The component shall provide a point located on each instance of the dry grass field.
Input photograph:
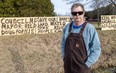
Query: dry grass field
(41, 53)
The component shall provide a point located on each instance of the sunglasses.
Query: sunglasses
(75, 13)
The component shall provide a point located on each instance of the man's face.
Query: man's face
(78, 14)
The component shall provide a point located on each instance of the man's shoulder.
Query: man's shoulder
(90, 26)
(67, 26)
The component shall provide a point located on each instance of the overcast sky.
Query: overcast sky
(61, 7)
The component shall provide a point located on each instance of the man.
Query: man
(80, 43)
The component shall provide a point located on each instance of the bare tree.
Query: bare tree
(113, 6)
(93, 2)
(113, 2)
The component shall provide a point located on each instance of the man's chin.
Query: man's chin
(77, 20)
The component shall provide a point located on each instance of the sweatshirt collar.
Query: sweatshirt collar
(75, 26)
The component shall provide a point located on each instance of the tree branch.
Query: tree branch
(113, 3)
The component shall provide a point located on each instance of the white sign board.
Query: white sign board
(32, 25)
(108, 22)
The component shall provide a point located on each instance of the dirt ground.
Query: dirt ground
(42, 54)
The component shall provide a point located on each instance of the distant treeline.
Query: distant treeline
(108, 10)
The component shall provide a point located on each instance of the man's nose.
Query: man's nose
(77, 14)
